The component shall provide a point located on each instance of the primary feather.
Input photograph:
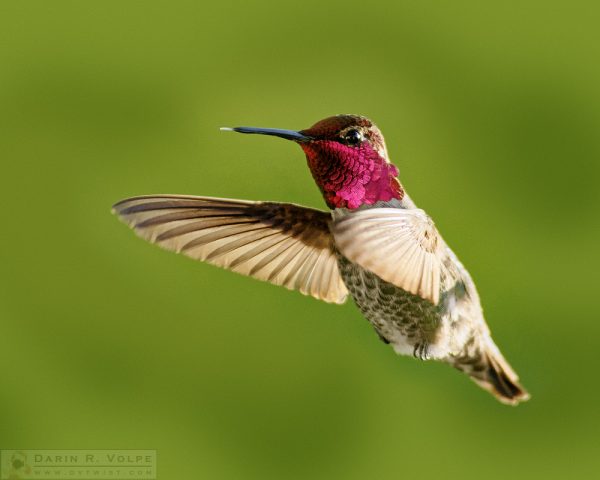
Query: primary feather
(281, 243)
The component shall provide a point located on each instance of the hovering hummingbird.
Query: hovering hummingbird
(374, 245)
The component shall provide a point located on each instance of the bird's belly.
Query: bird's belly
(400, 318)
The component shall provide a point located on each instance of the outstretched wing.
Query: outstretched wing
(402, 247)
(281, 243)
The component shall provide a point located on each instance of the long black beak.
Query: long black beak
(276, 132)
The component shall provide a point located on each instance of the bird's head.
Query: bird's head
(348, 160)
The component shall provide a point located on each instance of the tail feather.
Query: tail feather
(502, 382)
(494, 374)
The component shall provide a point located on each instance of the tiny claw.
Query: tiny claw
(421, 350)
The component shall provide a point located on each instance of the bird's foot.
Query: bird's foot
(381, 337)
(421, 350)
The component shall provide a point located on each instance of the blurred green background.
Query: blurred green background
(490, 109)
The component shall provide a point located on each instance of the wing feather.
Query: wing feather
(401, 246)
(281, 243)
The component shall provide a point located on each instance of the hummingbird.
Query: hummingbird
(373, 245)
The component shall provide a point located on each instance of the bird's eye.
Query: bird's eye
(353, 137)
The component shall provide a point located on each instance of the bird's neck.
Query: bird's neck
(350, 181)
